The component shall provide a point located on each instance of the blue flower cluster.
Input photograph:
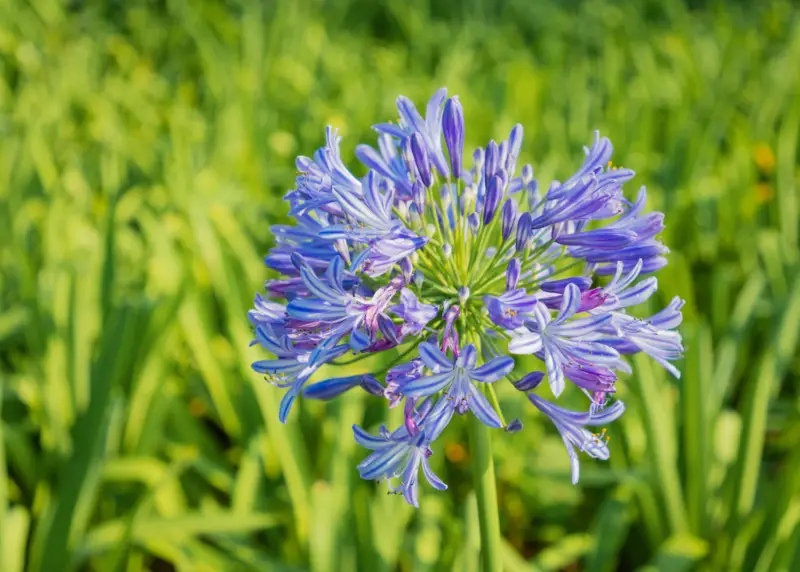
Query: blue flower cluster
(452, 271)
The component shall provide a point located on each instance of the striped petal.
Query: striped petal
(525, 344)
(429, 385)
(482, 409)
(367, 440)
(569, 304)
(330, 388)
(431, 477)
(496, 369)
(434, 358)
(286, 405)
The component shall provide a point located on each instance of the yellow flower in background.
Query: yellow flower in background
(765, 158)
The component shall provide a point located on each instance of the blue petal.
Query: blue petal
(358, 340)
(434, 358)
(525, 344)
(639, 293)
(482, 409)
(569, 304)
(428, 385)
(330, 388)
(408, 112)
(335, 274)
(390, 129)
(468, 357)
(582, 326)
(494, 370)
(383, 463)
(310, 309)
(373, 160)
(318, 288)
(603, 238)
(359, 259)
(592, 352)
(431, 477)
(286, 405)
(607, 415)
(356, 208)
(277, 365)
(368, 440)
(265, 339)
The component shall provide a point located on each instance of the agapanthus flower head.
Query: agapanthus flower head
(452, 269)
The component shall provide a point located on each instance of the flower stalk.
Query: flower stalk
(480, 440)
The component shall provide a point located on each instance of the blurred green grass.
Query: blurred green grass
(144, 147)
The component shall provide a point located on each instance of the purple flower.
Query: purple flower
(572, 426)
(510, 310)
(400, 454)
(453, 127)
(420, 154)
(457, 377)
(335, 386)
(430, 128)
(414, 314)
(512, 273)
(509, 218)
(291, 367)
(494, 193)
(404, 261)
(564, 341)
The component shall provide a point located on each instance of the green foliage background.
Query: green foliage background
(144, 148)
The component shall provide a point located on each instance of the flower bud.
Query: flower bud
(512, 273)
(502, 153)
(530, 381)
(492, 160)
(420, 153)
(492, 200)
(514, 427)
(388, 329)
(371, 385)
(407, 269)
(514, 146)
(509, 217)
(474, 222)
(477, 159)
(402, 209)
(447, 198)
(463, 294)
(408, 156)
(527, 174)
(418, 196)
(524, 230)
(453, 127)
(533, 194)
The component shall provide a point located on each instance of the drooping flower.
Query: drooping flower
(416, 251)
(572, 426)
(401, 453)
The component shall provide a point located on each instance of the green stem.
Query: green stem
(486, 493)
